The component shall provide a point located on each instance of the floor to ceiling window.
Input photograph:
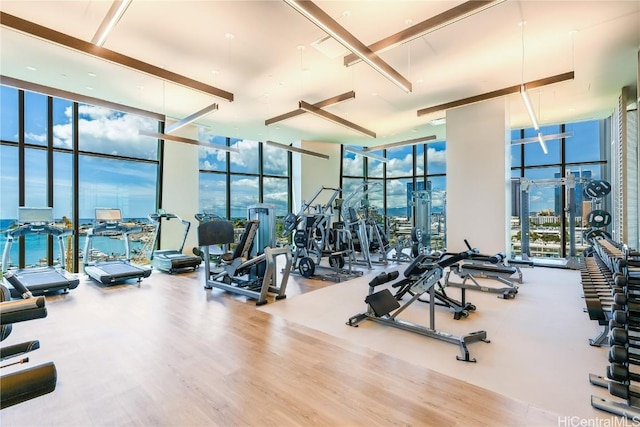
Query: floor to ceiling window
(576, 156)
(74, 158)
(252, 174)
(420, 171)
(410, 174)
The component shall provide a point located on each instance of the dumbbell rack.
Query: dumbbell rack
(622, 377)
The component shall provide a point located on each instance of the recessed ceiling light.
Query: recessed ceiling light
(346, 13)
(229, 36)
(91, 74)
(408, 22)
(89, 88)
(30, 68)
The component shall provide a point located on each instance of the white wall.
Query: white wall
(478, 176)
(310, 173)
(180, 190)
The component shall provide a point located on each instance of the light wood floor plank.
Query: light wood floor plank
(170, 353)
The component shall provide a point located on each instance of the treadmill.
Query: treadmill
(172, 260)
(39, 280)
(109, 223)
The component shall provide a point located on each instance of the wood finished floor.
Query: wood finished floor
(168, 352)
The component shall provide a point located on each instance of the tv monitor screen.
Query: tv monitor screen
(35, 215)
(108, 215)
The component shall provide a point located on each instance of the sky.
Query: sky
(131, 185)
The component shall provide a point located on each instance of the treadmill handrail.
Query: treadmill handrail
(27, 229)
(157, 219)
(110, 228)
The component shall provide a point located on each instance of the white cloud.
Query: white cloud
(100, 127)
(436, 156)
(352, 166)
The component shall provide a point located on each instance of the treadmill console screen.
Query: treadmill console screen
(108, 215)
(35, 215)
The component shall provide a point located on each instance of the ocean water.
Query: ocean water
(36, 245)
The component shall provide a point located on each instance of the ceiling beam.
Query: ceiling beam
(335, 119)
(176, 138)
(76, 97)
(88, 48)
(192, 118)
(405, 143)
(320, 18)
(496, 93)
(292, 149)
(329, 101)
(434, 23)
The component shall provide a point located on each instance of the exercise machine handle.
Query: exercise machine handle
(17, 285)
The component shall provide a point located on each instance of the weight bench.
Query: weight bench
(486, 267)
(412, 274)
(383, 307)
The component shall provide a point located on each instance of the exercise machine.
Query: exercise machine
(567, 184)
(363, 222)
(109, 272)
(315, 240)
(415, 270)
(421, 232)
(493, 267)
(383, 307)
(19, 386)
(240, 272)
(171, 260)
(39, 280)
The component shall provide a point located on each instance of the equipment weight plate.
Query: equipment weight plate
(307, 267)
(300, 239)
(597, 188)
(290, 222)
(595, 233)
(336, 261)
(599, 218)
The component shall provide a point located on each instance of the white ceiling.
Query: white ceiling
(268, 73)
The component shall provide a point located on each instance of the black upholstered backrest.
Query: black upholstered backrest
(5, 295)
(246, 240)
(216, 232)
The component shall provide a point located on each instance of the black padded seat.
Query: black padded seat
(489, 268)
